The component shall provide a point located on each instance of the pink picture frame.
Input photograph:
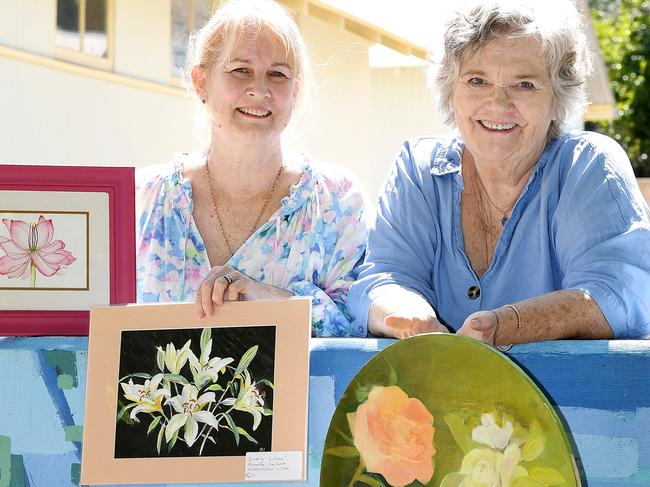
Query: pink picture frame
(45, 190)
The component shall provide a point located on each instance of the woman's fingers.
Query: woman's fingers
(199, 304)
(219, 288)
(404, 327)
(481, 326)
(226, 284)
(237, 289)
(207, 290)
(211, 291)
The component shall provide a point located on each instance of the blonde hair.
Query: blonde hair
(237, 19)
(556, 24)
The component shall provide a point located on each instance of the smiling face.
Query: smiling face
(503, 102)
(251, 94)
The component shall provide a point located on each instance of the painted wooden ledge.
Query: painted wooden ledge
(601, 390)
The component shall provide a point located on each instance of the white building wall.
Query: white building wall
(143, 39)
(361, 115)
(402, 108)
(28, 24)
(341, 133)
(52, 117)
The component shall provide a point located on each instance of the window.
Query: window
(83, 31)
(187, 16)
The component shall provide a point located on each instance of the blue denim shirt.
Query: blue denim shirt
(580, 223)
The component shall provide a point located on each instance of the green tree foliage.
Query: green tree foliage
(623, 31)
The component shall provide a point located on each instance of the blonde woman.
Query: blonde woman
(242, 219)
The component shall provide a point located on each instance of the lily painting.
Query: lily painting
(37, 252)
(195, 392)
(443, 410)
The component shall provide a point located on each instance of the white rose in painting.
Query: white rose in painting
(492, 435)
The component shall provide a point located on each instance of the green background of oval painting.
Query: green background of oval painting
(449, 373)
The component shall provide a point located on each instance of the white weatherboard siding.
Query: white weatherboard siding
(143, 39)
(341, 132)
(363, 114)
(54, 117)
(50, 116)
(28, 25)
(402, 108)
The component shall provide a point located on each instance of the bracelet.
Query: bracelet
(505, 348)
(519, 325)
(501, 348)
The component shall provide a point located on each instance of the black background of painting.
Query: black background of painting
(138, 354)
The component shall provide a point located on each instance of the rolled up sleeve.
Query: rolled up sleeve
(400, 242)
(602, 233)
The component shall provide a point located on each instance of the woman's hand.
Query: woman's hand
(558, 315)
(223, 283)
(400, 313)
(400, 326)
(481, 325)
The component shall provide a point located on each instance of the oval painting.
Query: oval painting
(445, 410)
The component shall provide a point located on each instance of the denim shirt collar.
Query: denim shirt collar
(447, 159)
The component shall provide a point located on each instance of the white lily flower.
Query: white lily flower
(147, 396)
(490, 434)
(189, 409)
(174, 360)
(215, 365)
(207, 369)
(249, 400)
(206, 351)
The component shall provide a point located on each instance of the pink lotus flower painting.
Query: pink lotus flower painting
(30, 247)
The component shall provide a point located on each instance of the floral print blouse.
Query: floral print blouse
(310, 246)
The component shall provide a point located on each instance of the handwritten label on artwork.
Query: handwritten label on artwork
(274, 465)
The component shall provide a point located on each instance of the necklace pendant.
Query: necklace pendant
(504, 220)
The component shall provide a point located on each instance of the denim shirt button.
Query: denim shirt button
(474, 292)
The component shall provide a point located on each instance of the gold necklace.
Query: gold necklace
(259, 217)
(482, 215)
(504, 213)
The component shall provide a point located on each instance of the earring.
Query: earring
(203, 100)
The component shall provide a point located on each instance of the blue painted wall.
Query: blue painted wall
(601, 390)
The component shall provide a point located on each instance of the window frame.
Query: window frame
(174, 79)
(79, 57)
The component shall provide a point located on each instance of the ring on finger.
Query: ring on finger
(229, 279)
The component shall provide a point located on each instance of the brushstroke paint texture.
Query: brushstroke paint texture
(64, 362)
(610, 426)
(351, 355)
(57, 396)
(27, 407)
(76, 397)
(321, 393)
(601, 387)
(19, 477)
(49, 470)
(593, 449)
(5, 461)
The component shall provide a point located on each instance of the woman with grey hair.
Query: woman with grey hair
(515, 230)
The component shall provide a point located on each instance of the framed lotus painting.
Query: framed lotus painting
(67, 242)
(172, 398)
(446, 411)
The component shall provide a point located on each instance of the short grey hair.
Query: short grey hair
(556, 24)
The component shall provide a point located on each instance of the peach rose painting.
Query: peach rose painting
(36, 252)
(394, 436)
(446, 411)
